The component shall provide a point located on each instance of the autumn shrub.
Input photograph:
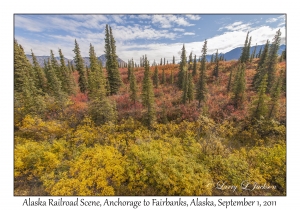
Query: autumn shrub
(163, 168)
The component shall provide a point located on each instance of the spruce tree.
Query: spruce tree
(185, 87)
(133, 86)
(283, 56)
(128, 70)
(182, 69)
(260, 105)
(55, 66)
(216, 68)
(83, 85)
(239, 88)
(27, 97)
(253, 53)
(273, 60)
(164, 61)
(113, 73)
(45, 70)
(96, 77)
(102, 110)
(212, 58)
(260, 70)
(275, 96)
(229, 80)
(69, 66)
(201, 89)
(247, 57)
(54, 84)
(67, 84)
(244, 56)
(148, 96)
(41, 80)
(72, 67)
(155, 77)
(173, 59)
(190, 65)
(191, 88)
(195, 72)
(87, 71)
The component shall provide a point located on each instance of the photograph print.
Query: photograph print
(149, 104)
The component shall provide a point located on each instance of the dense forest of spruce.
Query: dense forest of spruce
(168, 129)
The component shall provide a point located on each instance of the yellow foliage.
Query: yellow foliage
(166, 168)
(129, 159)
(37, 129)
(97, 171)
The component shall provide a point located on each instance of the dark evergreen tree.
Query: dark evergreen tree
(96, 77)
(185, 87)
(54, 84)
(80, 68)
(148, 96)
(244, 56)
(155, 77)
(173, 59)
(45, 69)
(195, 72)
(253, 53)
(182, 68)
(27, 97)
(133, 86)
(72, 67)
(239, 88)
(55, 66)
(67, 84)
(260, 105)
(164, 61)
(247, 57)
(102, 110)
(190, 65)
(273, 60)
(201, 90)
(260, 70)
(129, 70)
(216, 68)
(191, 88)
(275, 96)
(263, 56)
(41, 80)
(283, 56)
(113, 73)
(69, 66)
